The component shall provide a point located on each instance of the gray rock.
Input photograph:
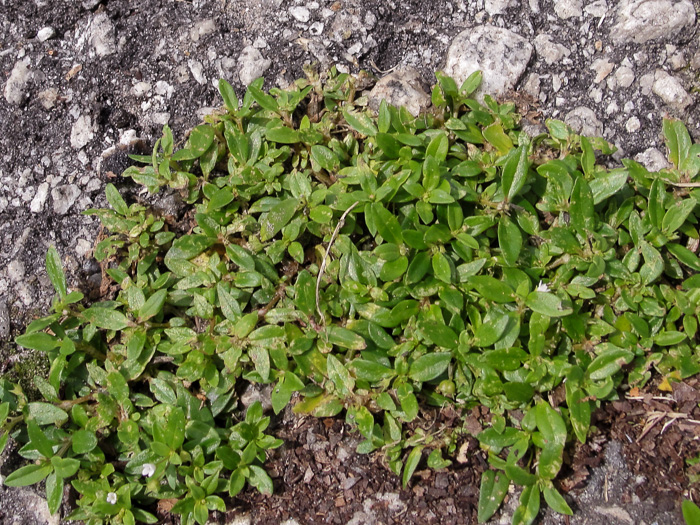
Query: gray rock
(16, 86)
(82, 132)
(550, 51)
(623, 77)
(254, 392)
(497, 7)
(652, 159)
(45, 33)
(202, 28)
(670, 90)
(642, 20)
(101, 35)
(300, 13)
(400, 88)
(597, 9)
(602, 68)
(90, 4)
(4, 321)
(500, 54)
(197, 71)
(251, 65)
(568, 8)
(583, 120)
(64, 197)
(42, 192)
(15, 270)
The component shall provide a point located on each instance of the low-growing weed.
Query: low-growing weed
(361, 265)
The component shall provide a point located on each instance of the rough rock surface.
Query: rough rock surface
(400, 88)
(85, 77)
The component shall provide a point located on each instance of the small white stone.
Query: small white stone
(260, 43)
(652, 159)
(164, 89)
(15, 270)
(670, 90)
(140, 89)
(316, 28)
(196, 69)
(597, 9)
(624, 76)
(632, 125)
(83, 247)
(549, 50)
(300, 13)
(202, 28)
(16, 86)
(64, 197)
(568, 8)
(40, 197)
(602, 67)
(251, 65)
(48, 97)
(583, 120)
(45, 33)
(82, 132)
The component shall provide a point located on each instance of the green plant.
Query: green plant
(366, 265)
(691, 513)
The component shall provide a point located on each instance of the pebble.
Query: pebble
(101, 35)
(550, 51)
(400, 88)
(633, 125)
(64, 197)
(251, 65)
(499, 53)
(15, 270)
(497, 7)
(300, 13)
(597, 9)
(82, 132)
(584, 121)
(202, 28)
(140, 89)
(16, 86)
(652, 159)
(197, 71)
(602, 67)
(670, 90)
(45, 33)
(48, 97)
(642, 20)
(568, 8)
(42, 192)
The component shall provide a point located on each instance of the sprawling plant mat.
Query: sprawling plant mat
(361, 265)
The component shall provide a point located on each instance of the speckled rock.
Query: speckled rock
(583, 120)
(400, 88)
(251, 65)
(499, 53)
(642, 20)
(16, 86)
(670, 90)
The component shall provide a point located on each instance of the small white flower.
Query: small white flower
(112, 498)
(148, 470)
(542, 287)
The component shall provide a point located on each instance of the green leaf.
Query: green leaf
(471, 83)
(201, 137)
(260, 480)
(581, 211)
(153, 305)
(55, 270)
(411, 464)
(655, 207)
(550, 423)
(607, 185)
(340, 376)
(510, 240)
(115, 200)
(65, 467)
(515, 173)
(283, 135)
(441, 267)
(677, 214)
(54, 492)
(387, 224)
(491, 330)
(83, 441)
(28, 475)
(495, 135)
(653, 264)
(175, 429)
(371, 370)
(556, 501)
(46, 413)
(678, 141)
(277, 218)
(106, 318)
(492, 289)
(492, 491)
(691, 513)
(229, 95)
(38, 440)
(579, 409)
(610, 359)
(345, 338)
(263, 99)
(361, 123)
(324, 157)
(529, 506)
(429, 366)
(38, 341)
(548, 303)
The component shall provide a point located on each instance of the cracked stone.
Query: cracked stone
(642, 20)
(499, 53)
(670, 90)
(400, 88)
(16, 86)
(251, 65)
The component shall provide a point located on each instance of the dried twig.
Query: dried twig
(321, 271)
